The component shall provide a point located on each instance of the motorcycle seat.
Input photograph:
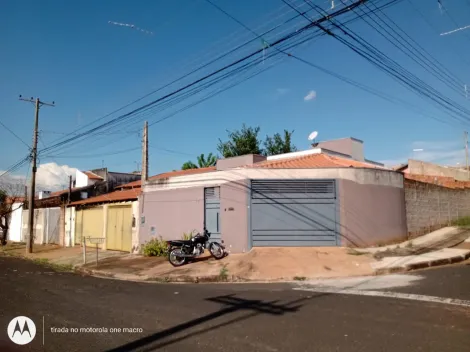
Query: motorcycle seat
(181, 242)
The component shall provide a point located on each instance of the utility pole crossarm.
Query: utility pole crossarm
(34, 153)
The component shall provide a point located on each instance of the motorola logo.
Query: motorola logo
(21, 330)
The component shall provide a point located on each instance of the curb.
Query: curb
(423, 265)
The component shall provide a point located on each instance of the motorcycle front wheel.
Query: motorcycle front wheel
(217, 250)
(175, 258)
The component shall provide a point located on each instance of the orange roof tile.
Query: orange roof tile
(116, 196)
(313, 161)
(443, 181)
(92, 175)
(176, 173)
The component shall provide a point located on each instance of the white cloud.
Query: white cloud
(49, 177)
(310, 96)
(444, 152)
(53, 177)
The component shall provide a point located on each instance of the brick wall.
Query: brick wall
(430, 207)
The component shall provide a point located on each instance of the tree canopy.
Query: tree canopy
(241, 142)
(279, 144)
(202, 161)
(245, 141)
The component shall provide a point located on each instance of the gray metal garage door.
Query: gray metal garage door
(293, 213)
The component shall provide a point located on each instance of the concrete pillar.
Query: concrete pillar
(62, 226)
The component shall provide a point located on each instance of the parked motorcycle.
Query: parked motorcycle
(180, 251)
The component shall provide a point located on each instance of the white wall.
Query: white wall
(15, 232)
(135, 229)
(70, 227)
(81, 180)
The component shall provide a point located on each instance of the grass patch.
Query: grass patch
(57, 267)
(352, 251)
(223, 274)
(300, 278)
(464, 221)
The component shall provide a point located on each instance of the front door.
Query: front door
(212, 212)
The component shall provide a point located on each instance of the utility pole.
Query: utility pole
(145, 155)
(32, 188)
(466, 154)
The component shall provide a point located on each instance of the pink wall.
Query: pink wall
(371, 214)
(172, 213)
(234, 215)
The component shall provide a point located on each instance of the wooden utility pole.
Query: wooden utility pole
(466, 154)
(32, 187)
(145, 154)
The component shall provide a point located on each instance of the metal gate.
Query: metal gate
(88, 223)
(212, 212)
(119, 228)
(294, 213)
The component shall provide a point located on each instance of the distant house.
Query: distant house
(54, 223)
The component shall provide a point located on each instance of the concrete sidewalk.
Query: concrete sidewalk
(260, 264)
(445, 237)
(439, 257)
(54, 254)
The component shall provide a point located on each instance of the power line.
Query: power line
(15, 135)
(388, 65)
(436, 30)
(344, 79)
(220, 70)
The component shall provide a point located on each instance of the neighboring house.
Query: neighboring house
(110, 179)
(319, 197)
(54, 223)
(418, 167)
(115, 216)
(15, 221)
(111, 216)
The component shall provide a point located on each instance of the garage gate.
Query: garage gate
(294, 213)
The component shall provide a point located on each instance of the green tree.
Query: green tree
(189, 165)
(241, 142)
(202, 161)
(279, 144)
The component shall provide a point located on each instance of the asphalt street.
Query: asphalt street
(228, 317)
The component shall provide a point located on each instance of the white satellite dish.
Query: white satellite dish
(313, 135)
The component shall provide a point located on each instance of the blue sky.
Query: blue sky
(69, 53)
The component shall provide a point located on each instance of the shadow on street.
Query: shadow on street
(230, 304)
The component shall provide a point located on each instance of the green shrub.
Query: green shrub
(223, 274)
(156, 247)
(188, 235)
(464, 221)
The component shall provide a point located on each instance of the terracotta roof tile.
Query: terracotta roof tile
(116, 196)
(313, 161)
(443, 181)
(176, 173)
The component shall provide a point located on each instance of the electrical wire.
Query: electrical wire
(280, 40)
(331, 73)
(391, 67)
(15, 135)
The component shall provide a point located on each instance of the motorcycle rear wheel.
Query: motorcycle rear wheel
(174, 259)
